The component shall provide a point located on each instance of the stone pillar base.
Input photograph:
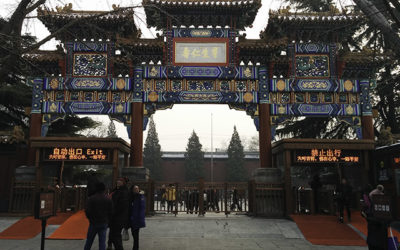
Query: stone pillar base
(136, 174)
(25, 173)
(267, 175)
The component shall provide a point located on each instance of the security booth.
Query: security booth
(300, 160)
(386, 171)
(67, 165)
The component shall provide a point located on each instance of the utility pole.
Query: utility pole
(212, 151)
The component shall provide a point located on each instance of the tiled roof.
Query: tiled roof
(89, 24)
(239, 14)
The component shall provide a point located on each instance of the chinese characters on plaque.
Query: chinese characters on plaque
(186, 52)
(326, 156)
(78, 154)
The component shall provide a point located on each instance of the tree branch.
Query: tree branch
(34, 6)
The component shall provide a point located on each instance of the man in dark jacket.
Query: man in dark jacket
(98, 211)
(344, 192)
(315, 185)
(137, 214)
(120, 217)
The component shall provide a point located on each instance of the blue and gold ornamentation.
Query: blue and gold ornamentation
(59, 96)
(87, 83)
(187, 32)
(241, 86)
(281, 84)
(365, 99)
(311, 85)
(53, 83)
(37, 94)
(176, 85)
(224, 86)
(137, 84)
(300, 98)
(121, 84)
(263, 85)
(312, 66)
(311, 48)
(89, 47)
(349, 85)
(200, 72)
(160, 85)
(208, 72)
(196, 97)
(315, 109)
(89, 64)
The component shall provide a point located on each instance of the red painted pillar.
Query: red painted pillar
(34, 131)
(340, 68)
(136, 159)
(265, 135)
(367, 127)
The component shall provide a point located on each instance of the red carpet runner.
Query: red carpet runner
(361, 224)
(29, 227)
(325, 230)
(74, 228)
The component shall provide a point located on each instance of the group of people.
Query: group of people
(342, 195)
(120, 209)
(189, 199)
(377, 229)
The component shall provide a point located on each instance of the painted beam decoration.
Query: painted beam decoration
(201, 67)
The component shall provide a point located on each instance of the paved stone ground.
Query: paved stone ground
(188, 232)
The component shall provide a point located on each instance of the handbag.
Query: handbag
(393, 243)
(125, 234)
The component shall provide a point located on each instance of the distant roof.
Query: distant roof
(207, 155)
(89, 24)
(239, 14)
(331, 26)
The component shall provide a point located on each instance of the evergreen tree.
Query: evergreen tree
(235, 163)
(71, 125)
(194, 159)
(152, 152)
(111, 132)
(16, 65)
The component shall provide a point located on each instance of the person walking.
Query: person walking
(344, 192)
(235, 200)
(137, 214)
(315, 185)
(171, 197)
(377, 228)
(98, 210)
(194, 201)
(120, 217)
(163, 195)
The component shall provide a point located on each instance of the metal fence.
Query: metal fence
(196, 198)
(201, 197)
(22, 196)
(267, 200)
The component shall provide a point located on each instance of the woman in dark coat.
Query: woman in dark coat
(137, 214)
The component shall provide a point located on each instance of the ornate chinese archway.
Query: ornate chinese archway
(202, 65)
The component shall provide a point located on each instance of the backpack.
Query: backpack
(366, 206)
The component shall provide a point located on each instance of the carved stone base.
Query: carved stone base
(267, 175)
(136, 174)
(25, 173)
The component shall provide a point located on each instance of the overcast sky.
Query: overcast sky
(173, 126)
